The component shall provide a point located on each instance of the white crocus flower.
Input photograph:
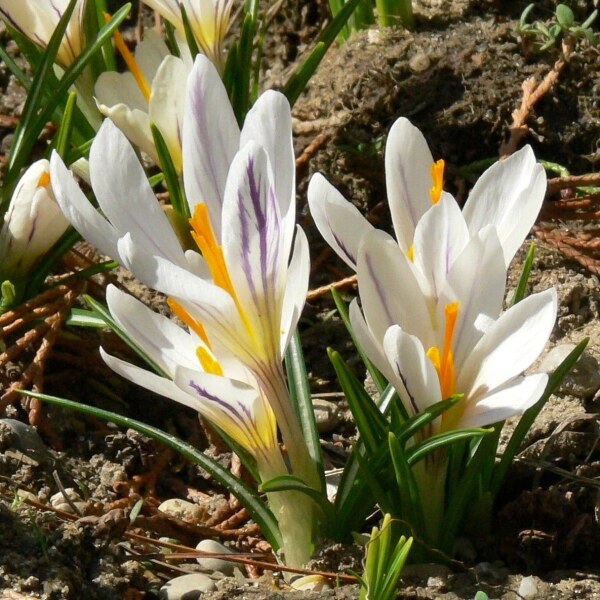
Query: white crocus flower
(508, 196)
(32, 224)
(209, 22)
(227, 394)
(458, 346)
(37, 19)
(152, 91)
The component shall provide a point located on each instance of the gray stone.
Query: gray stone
(208, 563)
(111, 473)
(528, 587)
(583, 380)
(326, 414)
(187, 587)
(27, 440)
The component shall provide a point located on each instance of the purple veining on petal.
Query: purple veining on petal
(405, 384)
(343, 247)
(380, 289)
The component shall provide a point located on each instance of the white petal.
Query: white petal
(421, 384)
(513, 398)
(508, 195)
(210, 139)
(167, 344)
(389, 291)
(167, 105)
(125, 196)
(253, 244)
(269, 124)
(113, 88)
(296, 288)
(77, 208)
(408, 163)
(477, 281)
(339, 221)
(440, 236)
(510, 345)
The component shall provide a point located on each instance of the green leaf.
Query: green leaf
(425, 417)
(302, 401)
(565, 16)
(246, 495)
(524, 425)
(63, 135)
(300, 77)
(521, 288)
(172, 181)
(80, 317)
(371, 424)
(189, 33)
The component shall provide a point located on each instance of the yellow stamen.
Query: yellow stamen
(44, 179)
(444, 361)
(203, 234)
(192, 323)
(209, 363)
(130, 61)
(411, 253)
(437, 175)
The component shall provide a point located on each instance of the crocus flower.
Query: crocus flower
(209, 21)
(37, 19)
(459, 345)
(32, 224)
(508, 195)
(247, 288)
(224, 392)
(152, 91)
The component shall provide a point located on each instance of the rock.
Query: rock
(187, 587)
(310, 583)
(58, 500)
(489, 573)
(528, 587)
(326, 414)
(27, 440)
(208, 563)
(583, 380)
(182, 509)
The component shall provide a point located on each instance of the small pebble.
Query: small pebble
(28, 441)
(215, 564)
(182, 509)
(111, 473)
(58, 500)
(419, 62)
(187, 587)
(310, 583)
(528, 587)
(326, 414)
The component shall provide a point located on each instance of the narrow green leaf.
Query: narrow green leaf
(302, 401)
(240, 98)
(521, 288)
(80, 317)
(371, 424)
(63, 135)
(172, 180)
(190, 38)
(425, 417)
(246, 495)
(300, 77)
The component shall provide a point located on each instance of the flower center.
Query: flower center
(437, 175)
(443, 360)
(44, 179)
(131, 63)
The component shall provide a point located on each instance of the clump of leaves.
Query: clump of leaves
(563, 25)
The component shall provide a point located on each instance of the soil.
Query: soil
(458, 77)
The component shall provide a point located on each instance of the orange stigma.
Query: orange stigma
(44, 179)
(444, 361)
(437, 175)
(130, 61)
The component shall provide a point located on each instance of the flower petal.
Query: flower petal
(210, 140)
(338, 221)
(513, 398)
(116, 170)
(79, 211)
(509, 345)
(420, 382)
(389, 291)
(508, 195)
(408, 163)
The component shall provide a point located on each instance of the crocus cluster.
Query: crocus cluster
(431, 315)
(240, 297)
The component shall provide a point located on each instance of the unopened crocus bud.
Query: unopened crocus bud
(32, 224)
